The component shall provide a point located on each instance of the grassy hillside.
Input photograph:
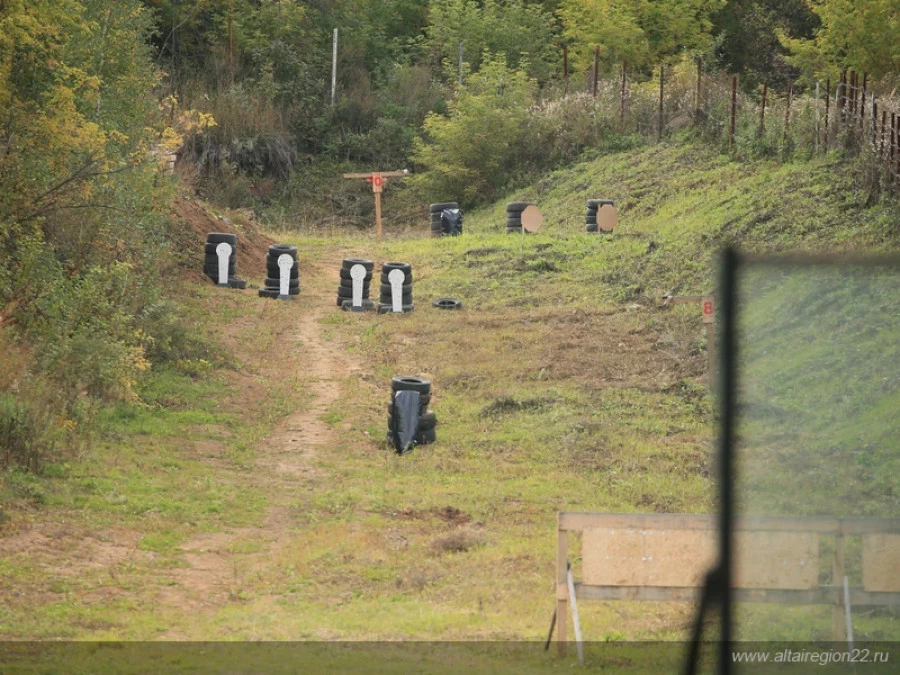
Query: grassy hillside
(562, 384)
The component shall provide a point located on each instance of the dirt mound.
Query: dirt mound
(194, 220)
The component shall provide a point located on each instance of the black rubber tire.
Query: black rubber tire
(348, 264)
(275, 272)
(591, 227)
(348, 283)
(240, 284)
(347, 293)
(214, 259)
(591, 212)
(427, 420)
(276, 283)
(590, 220)
(272, 261)
(268, 293)
(388, 308)
(213, 271)
(407, 279)
(220, 238)
(345, 275)
(596, 203)
(276, 250)
(387, 288)
(518, 207)
(447, 303)
(426, 437)
(513, 230)
(410, 383)
(437, 207)
(210, 249)
(347, 305)
(424, 400)
(406, 304)
(514, 222)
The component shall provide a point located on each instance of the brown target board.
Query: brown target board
(532, 218)
(607, 218)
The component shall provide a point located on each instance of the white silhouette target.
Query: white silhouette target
(285, 263)
(223, 250)
(396, 277)
(357, 274)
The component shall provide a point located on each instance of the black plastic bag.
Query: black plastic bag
(405, 420)
(451, 222)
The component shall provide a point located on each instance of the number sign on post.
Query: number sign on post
(708, 307)
(377, 178)
(357, 274)
(396, 278)
(223, 250)
(285, 263)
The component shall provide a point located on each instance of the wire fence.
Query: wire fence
(852, 116)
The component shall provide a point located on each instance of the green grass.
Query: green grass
(562, 384)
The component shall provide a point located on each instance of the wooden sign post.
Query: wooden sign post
(377, 179)
(708, 305)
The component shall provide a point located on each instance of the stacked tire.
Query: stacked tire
(386, 298)
(345, 290)
(590, 218)
(272, 288)
(514, 216)
(425, 432)
(437, 229)
(211, 258)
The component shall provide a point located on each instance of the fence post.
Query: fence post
(883, 125)
(816, 149)
(659, 124)
(862, 98)
(565, 70)
(622, 99)
(734, 79)
(827, 107)
(762, 111)
(596, 70)
(787, 111)
(842, 93)
(699, 84)
(874, 126)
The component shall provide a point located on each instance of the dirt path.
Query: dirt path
(214, 566)
(287, 459)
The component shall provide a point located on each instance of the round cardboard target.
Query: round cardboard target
(532, 218)
(607, 218)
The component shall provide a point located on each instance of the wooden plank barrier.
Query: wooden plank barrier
(657, 557)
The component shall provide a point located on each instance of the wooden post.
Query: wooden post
(334, 54)
(827, 108)
(842, 93)
(377, 179)
(787, 112)
(699, 84)
(659, 124)
(883, 125)
(622, 99)
(762, 111)
(734, 80)
(874, 126)
(838, 625)
(565, 70)
(596, 70)
(230, 49)
(708, 307)
(562, 588)
(862, 97)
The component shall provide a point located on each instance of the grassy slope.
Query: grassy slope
(562, 385)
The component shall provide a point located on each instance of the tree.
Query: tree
(857, 34)
(522, 33)
(468, 153)
(641, 33)
(748, 42)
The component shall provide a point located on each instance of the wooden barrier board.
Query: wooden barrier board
(681, 558)
(881, 562)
